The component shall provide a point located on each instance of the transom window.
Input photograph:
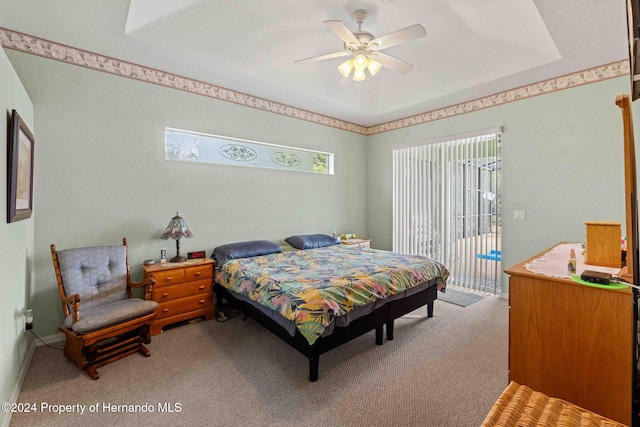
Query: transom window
(199, 147)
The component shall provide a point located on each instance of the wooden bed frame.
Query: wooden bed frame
(374, 320)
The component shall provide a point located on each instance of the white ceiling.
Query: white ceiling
(472, 49)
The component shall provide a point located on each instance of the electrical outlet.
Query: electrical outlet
(519, 215)
(28, 320)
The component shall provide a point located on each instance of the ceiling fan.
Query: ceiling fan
(364, 48)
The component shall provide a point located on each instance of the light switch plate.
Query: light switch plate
(519, 215)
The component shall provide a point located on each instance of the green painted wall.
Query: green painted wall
(102, 175)
(562, 158)
(17, 253)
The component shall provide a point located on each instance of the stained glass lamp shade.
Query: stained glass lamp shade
(176, 229)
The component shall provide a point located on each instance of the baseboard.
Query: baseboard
(23, 373)
(51, 339)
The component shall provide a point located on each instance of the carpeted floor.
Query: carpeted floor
(442, 371)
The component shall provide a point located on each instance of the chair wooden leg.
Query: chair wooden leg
(74, 351)
(144, 351)
(93, 372)
(145, 334)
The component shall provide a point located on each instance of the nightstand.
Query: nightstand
(183, 290)
(363, 243)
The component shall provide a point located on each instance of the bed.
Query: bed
(322, 294)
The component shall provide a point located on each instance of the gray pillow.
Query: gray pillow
(311, 241)
(230, 251)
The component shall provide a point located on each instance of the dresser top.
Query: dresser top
(524, 268)
(171, 265)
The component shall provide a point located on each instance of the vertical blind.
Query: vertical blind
(446, 205)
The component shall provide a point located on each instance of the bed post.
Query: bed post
(314, 364)
(390, 329)
(379, 334)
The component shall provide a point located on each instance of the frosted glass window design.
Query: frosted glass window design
(199, 147)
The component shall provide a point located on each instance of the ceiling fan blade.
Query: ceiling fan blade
(407, 34)
(342, 31)
(323, 57)
(392, 63)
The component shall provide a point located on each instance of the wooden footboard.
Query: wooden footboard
(374, 320)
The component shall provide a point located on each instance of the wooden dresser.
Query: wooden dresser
(183, 291)
(572, 341)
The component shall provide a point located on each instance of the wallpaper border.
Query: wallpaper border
(21, 42)
(579, 78)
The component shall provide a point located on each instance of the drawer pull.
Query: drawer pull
(202, 301)
(198, 273)
(166, 294)
(164, 310)
(202, 287)
(168, 279)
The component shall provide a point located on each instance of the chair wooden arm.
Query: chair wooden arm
(147, 284)
(74, 301)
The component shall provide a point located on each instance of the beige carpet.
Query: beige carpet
(444, 371)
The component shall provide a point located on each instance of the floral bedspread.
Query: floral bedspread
(311, 287)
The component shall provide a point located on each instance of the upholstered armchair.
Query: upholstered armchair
(103, 322)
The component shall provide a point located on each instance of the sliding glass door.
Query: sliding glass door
(446, 205)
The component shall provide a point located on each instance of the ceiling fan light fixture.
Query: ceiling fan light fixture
(360, 62)
(358, 74)
(346, 67)
(373, 66)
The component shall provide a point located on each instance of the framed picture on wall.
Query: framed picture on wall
(19, 170)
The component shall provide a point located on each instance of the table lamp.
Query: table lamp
(176, 229)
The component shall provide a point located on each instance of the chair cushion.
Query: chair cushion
(98, 274)
(110, 314)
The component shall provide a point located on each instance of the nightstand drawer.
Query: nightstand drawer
(184, 305)
(200, 272)
(187, 289)
(169, 277)
(183, 290)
